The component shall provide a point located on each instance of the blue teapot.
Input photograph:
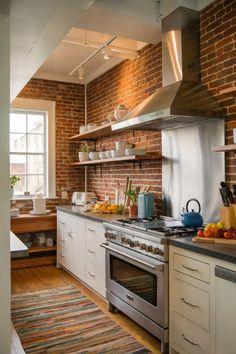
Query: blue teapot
(191, 218)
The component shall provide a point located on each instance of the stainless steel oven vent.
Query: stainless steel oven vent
(182, 100)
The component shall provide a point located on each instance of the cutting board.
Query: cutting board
(222, 241)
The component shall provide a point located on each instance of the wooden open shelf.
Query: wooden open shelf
(225, 148)
(37, 249)
(132, 158)
(33, 223)
(96, 133)
(229, 90)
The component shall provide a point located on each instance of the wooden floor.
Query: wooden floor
(48, 277)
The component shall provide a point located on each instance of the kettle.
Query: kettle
(191, 218)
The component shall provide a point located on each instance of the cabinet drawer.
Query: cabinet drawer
(189, 337)
(192, 267)
(192, 303)
(95, 278)
(62, 256)
(95, 253)
(93, 228)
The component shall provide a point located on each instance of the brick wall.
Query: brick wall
(69, 100)
(130, 83)
(218, 64)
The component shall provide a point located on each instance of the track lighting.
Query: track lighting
(106, 53)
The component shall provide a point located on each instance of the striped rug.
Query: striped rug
(64, 321)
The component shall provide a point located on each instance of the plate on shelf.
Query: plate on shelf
(45, 213)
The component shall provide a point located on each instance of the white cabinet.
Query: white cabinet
(202, 304)
(225, 308)
(95, 257)
(71, 243)
(79, 251)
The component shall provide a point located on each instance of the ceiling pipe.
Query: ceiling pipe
(92, 55)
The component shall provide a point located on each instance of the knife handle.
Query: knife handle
(224, 197)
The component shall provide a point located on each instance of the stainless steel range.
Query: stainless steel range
(137, 270)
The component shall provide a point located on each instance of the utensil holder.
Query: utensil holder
(228, 216)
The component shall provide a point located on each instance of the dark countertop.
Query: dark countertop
(224, 252)
(78, 210)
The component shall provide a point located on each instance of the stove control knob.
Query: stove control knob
(136, 244)
(132, 244)
(123, 240)
(142, 246)
(155, 250)
(150, 249)
(127, 241)
(108, 234)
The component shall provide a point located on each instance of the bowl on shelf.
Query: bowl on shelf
(91, 126)
(135, 151)
(83, 129)
(121, 145)
(117, 153)
(102, 155)
(93, 155)
(108, 154)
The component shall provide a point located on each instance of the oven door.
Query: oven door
(139, 280)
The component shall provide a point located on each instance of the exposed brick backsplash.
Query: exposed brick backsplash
(69, 99)
(130, 83)
(218, 64)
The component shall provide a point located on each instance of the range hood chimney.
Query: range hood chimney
(182, 100)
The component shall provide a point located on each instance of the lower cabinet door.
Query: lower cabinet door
(189, 338)
(95, 278)
(225, 309)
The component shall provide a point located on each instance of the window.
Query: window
(32, 146)
(28, 150)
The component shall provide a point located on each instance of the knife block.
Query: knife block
(228, 216)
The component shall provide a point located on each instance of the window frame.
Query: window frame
(34, 105)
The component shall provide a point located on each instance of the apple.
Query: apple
(228, 234)
(207, 233)
(200, 233)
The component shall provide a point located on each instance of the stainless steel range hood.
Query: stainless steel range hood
(182, 100)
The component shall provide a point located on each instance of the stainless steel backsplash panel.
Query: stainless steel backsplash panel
(191, 170)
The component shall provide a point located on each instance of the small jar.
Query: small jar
(49, 242)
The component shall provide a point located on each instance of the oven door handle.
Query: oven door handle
(159, 267)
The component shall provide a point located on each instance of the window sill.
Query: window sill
(22, 198)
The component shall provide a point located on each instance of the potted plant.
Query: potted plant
(13, 180)
(84, 152)
(132, 195)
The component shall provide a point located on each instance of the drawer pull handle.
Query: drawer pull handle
(62, 222)
(188, 303)
(188, 340)
(129, 297)
(62, 255)
(91, 275)
(92, 230)
(188, 268)
(90, 251)
(70, 234)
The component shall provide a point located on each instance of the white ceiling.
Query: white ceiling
(38, 27)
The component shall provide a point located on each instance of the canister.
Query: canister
(145, 205)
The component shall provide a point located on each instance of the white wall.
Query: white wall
(4, 179)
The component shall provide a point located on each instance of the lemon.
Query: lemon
(220, 225)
